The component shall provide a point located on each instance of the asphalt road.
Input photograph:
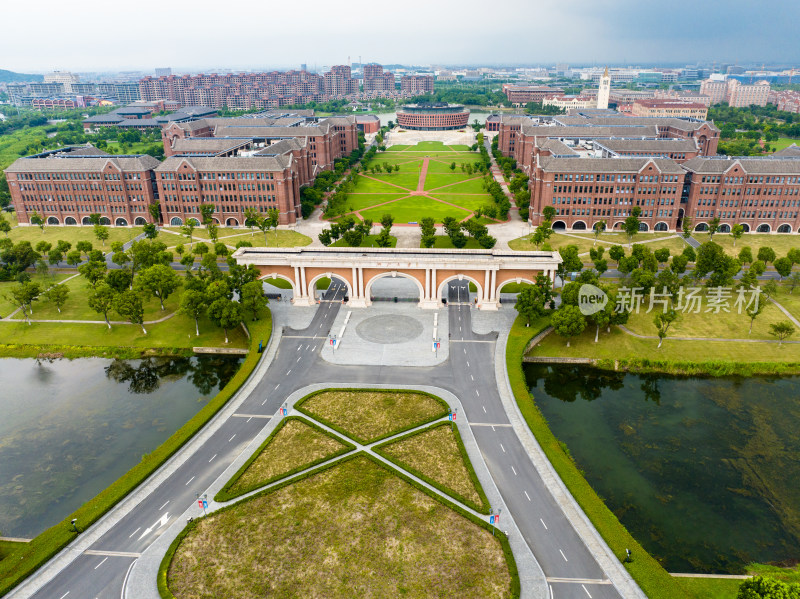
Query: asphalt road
(469, 374)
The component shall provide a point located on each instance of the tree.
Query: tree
(22, 296)
(616, 253)
(758, 267)
(549, 213)
(679, 264)
(631, 224)
(753, 313)
(120, 279)
(188, 229)
(713, 227)
(687, 227)
(542, 233)
(128, 304)
(325, 237)
(601, 266)
(225, 313)
(253, 298)
(94, 218)
(36, 219)
(737, 231)
(783, 266)
(598, 228)
(781, 330)
(387, 220)
(150, 231)
(194, 303)
(663, 321)
(353, 238)
(159, 280)
(384, 240)
(532, 301)
(453, 166)
(94, 271)
(155, 212)
(769, 289)
(74, 258)
(220, 249)
(766, 254)
(712, 261)
(745, 255)
(571, 262)
(101, 298)
(662, 255)
(85, 247)
(568, 322)
(5, 226)
(759, 587)
(57, 295)
(274, 218)
(794, 255)
(794, 281)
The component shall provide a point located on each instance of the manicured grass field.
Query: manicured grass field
(368, 415)
(586, 243)
(274, 239)
(44, 282)
(366, 241)
(406, 180)
(414, 209)
(361, 201)
(373, 185)
(470, 202)
(73, 235)
(293, 446)
(443, 243)
(783, 142)
(355, 530)
(454, 184)
(435, 453)
(780, 242)
(710, 588)
(790, 301)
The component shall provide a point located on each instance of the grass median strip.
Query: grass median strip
(371, 415)
(437, 456)
(294, 445)
(26, 559)
(351, 530)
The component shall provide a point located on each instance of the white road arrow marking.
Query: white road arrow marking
(158, 524)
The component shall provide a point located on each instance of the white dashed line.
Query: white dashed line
(135, 531)
(562, 555)
(212, 458)
(299, 358)
(465, 350)
(249, 419)
(472, 378)
(165, 505)
(276, 386)
(299, 347)
(188, 481)
(526, 495)
(484, 411)
(478, 393)
(587, 592)
(289, 372)
(543, 524)
(101, 563)
(265, 401)
(503, 448)
(514, 471)
(467, 362)
(64, 595)
(231, 439)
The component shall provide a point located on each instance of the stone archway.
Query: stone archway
(368, 294)
(52, 220)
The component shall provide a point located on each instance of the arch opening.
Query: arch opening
(139, 221)
(70, 221)
(460, 289)
(661, 227)
(120, 222)
(763, 228)
(175, 221)
(579, 225)
(784, 228)
(559, 225)
(52, 220)
(394, 287)
(329, 286)
(701, 227)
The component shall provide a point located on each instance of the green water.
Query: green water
(69, 428)
(704, 472)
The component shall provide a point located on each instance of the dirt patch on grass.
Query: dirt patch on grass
(294, 446)
(355, 530)
(435, 454)
(370, 415)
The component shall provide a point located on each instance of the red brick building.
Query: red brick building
(661, 107)
(432, 116)
(65, 186)
(417, 84)
(522, 94)
(378, 80)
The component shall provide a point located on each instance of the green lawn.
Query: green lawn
(443, 243)
(414, 209)
(366, 241)
(468, 201)
(790, 301)
(783, 142)
(359, 201)
(781, 243)
(406, 180)
(73, 235)
(456, 184)
(374, 185)
(46, 281)
(710, 588)
(77, 308)
(354, 530)
(281, 238)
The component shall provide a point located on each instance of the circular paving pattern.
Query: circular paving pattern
(389, 328)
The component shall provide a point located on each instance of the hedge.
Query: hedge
(31, 556)
(225, 493)
(645, 570)
(483, 507)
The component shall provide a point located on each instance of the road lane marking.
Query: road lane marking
(503, 448)
(188, 481)
(249, 419)
(526, 495)
(64, 595)
(587, 592)
(562, 555)
(543, 524)
(472, 378)
(125, 581)
(578, 580)
(465, 350)
(163, 506)
(289, 372)
(551, 591)
(478, 393)
(467, 363)
(101, 563)
(299, 358)
(514, 471)
(276, 386)
(111, 553)
(135, 531)
(212, 458)
(492, 424)
(264, 416)
(231, 439)
(299, 347)
(265, 401)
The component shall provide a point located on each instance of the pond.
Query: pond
(72, 427)
(704, 472)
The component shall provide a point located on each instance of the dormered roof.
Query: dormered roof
(608, 165)
(752, 166)
(141, 162)
(649, 145)
(589, 132)
(248, 164)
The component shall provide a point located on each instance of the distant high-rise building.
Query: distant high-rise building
(604, 90)
(65, 78)
(339, 81)
(164, 72)
(303, 67)
(376, 80)
(417, 84)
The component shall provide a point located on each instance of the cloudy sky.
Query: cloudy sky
(96, 35)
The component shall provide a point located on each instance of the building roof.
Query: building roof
(247, 163)
(668, 103)
(789, 151)
(139, 123)
(649, 145)
(557, 148)
(585, 120)
(283, 146)
(133, 110)
(267, 132)
(213, 145)
(590, 132)
(608, 165)
(111, 117)
(88, 150)
(139, 162)
(754, 166)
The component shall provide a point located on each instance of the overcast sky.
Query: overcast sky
(95, 35)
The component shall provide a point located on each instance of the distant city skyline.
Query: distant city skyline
(185, 35)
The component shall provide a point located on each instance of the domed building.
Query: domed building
(432, 116)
